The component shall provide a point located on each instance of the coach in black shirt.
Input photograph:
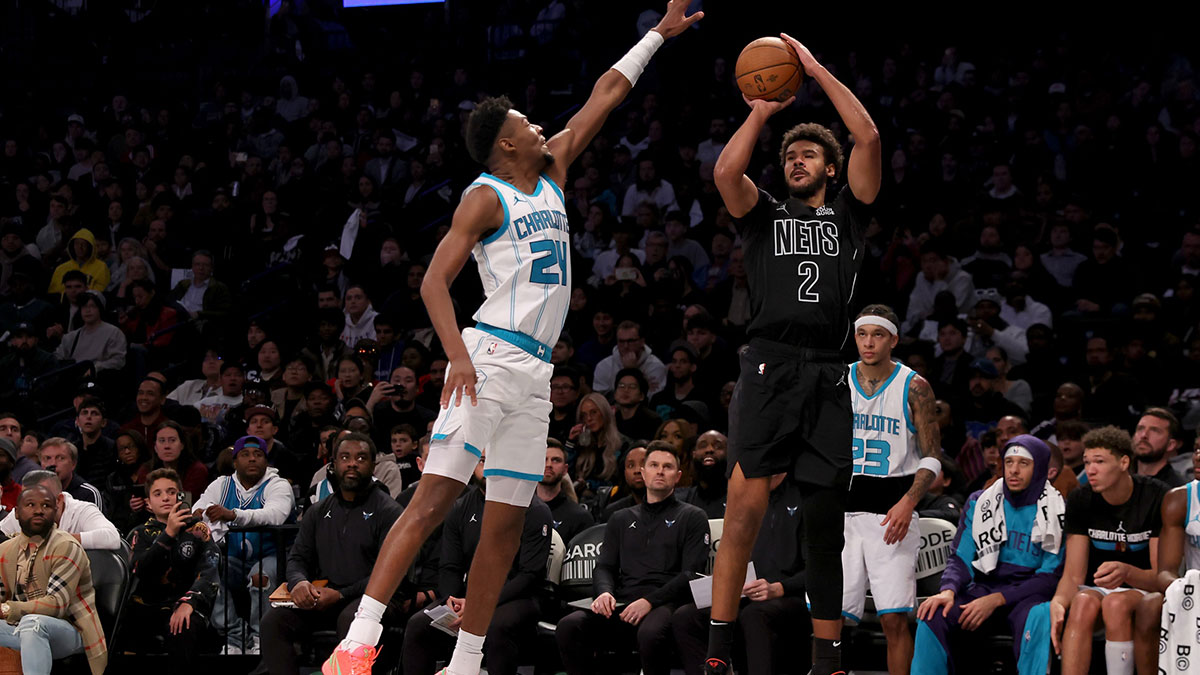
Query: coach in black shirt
(650, 553)
(516, 616)
(774, 604)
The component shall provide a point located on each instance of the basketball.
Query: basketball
(769, 69)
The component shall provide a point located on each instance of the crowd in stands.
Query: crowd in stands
(213, 297)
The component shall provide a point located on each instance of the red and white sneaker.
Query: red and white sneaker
(345, 661)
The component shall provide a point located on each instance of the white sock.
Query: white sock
(468, 654)
(366, 628)
(1118, 657)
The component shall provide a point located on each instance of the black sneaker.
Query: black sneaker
(716, 667)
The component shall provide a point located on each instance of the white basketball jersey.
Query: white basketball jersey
(1191, 544)
(525, 265)
(884, 435)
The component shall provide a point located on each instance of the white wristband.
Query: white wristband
(634, 62)
(930, 464)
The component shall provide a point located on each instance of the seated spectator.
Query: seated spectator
(288, 400)
(261, 422)
(405, 448)
(23, 306)
(9, 488)
(214, 406)
(566, 385)
(15, 258)
(989, 265)
(1022, 311)
(1112, 527)
(351, 383)
(124, 495)
(360, 316)
(49, 605)
(716, 363)
(649, 188)
(1010, 577)
(149, 402)
(330, 562)
(61, 456)
(175, 563)
(1063, 481)
(397, 404)
(555, 488)
(1016, 391)
(634, 418)
(774, 607)
(82, 256)
(1061, 260)
(1156, 439)
(191, 391)
(389, 347)
(983, 403)
(632, 490)
(267, 368)
(26, 461)
(939, 272)
(631, 352)
(939, 500)
(203, 296)
(989, 330)
(254, 495)
(305, 429)
(327, 349)
(681, 383)
(515, 619)
(24, 363)
(1102, 282)
(593, 351)
(79, 519)
(147, 321)
(709, 482)
(950, 370)
(172, 450)
(97, 341)
(97, 453)
(649, 555)
(1067, 406)
(675, 432)
(594, 447)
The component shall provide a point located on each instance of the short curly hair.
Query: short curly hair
(820, 135)
(483, 127)
(1113, 439)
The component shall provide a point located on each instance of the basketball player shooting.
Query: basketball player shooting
(513, 221)
(791, 408)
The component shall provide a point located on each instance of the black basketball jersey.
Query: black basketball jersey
(801, 265)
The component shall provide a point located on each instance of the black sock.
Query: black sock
(827, 656)
(720, 640)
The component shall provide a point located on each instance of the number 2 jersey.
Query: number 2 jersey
(525, 264)
(802, 264)
(885, 447)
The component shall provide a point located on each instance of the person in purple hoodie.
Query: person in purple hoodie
(1007, 559)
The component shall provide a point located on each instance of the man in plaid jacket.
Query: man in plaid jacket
(48, 604)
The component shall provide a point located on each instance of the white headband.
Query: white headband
(1018, 451)
(872, 320)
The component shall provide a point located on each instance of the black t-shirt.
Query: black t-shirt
(802, 264)
(1118, 533)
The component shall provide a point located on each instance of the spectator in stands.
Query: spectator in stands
(593, 351)
(631, 352)
(389, 347)
(774, 607)
(1021, 310)
(989, 330)
(1156, 439)
(1010, 577)
(80, 519)
(676, 432)
(97, 452)
(632, 490)
(649, 555)
(1067, 406)
(594, 446)
(97, 341)
(289, 400)
(82, 257)
(338, 541)
(351, 383)
(24, 307)
(398, 406)
(1111, 395)
(24, 363)
(1016, 391)
(939, 272)
(61, 456)
(191, 392)
(327, 350)
(517, 612)
(1102, 282)
(681, 383)
(565, 390)
(149, 402)
(203, 296)
(172, 450)
(983, 403)
(709, 482)
(304, 430)
(951, 369)
(648, 189)
(124, 496)
(15, 258)
(405, 446)
(262, 422)
(360, 316)
(556, 490)
(255, 495)
(941, 500)
(1112, 527)
(10, 429)
(1061, 260)
(634, 418)
(49, 605)
(9, 488)
(175, 563)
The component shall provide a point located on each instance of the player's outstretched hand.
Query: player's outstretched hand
(674, 22)
(767, 107)
(460, 381)
(807, 60)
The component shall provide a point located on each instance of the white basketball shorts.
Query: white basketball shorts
(890, 572)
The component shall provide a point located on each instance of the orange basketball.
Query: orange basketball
(768, 68)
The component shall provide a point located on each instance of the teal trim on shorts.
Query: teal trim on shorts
(519, 340)
(535, 477)
(881, 612)
(473, 450)
(439, 437)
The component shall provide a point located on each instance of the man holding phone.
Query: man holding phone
(399, 406)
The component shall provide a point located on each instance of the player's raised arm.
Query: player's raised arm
(477, 213)
(611, 89)
(864, 170)
(737, 190)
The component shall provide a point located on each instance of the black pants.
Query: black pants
(762, 625)
(513, 624)
(581, 633)
(284, 627)
(145, 624)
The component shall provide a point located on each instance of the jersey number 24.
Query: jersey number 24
(554, 253)
(871, 457)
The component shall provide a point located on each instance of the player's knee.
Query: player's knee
(895, 625)
(1117, 609)
(1148, 613)
(1084, 607)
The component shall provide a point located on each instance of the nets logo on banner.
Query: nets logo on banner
(382, 3)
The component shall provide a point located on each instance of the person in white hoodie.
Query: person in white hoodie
(631, 352)
(939, 272)
(255, 495)
(360, 316)
(82, 520)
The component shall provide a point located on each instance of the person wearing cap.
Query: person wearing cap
(97, 340)
(1102, 283)
(9, 488)
(24, 363)
(681, 383)
(1022, 311)
(634, 417)
(988, 330)
(15, 258)
(262, 421)
(255, 495)
(1005, 560)
(1110, 578)
(983, 405)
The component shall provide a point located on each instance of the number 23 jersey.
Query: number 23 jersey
(525, 264)
(802, 264)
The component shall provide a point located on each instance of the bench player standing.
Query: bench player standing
(897, 454)
(791, 408)
(516, 230)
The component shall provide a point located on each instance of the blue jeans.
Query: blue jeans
(240, 604)
(40, 639)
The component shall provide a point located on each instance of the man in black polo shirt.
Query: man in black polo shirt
(569, 518)
(650, 552)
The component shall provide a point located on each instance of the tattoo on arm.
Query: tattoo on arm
(929, 437)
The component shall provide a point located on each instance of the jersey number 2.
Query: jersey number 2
(871, 457)
(554, 253)
(809, 272)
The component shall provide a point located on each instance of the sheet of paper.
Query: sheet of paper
(441, 617)
(702, 587)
